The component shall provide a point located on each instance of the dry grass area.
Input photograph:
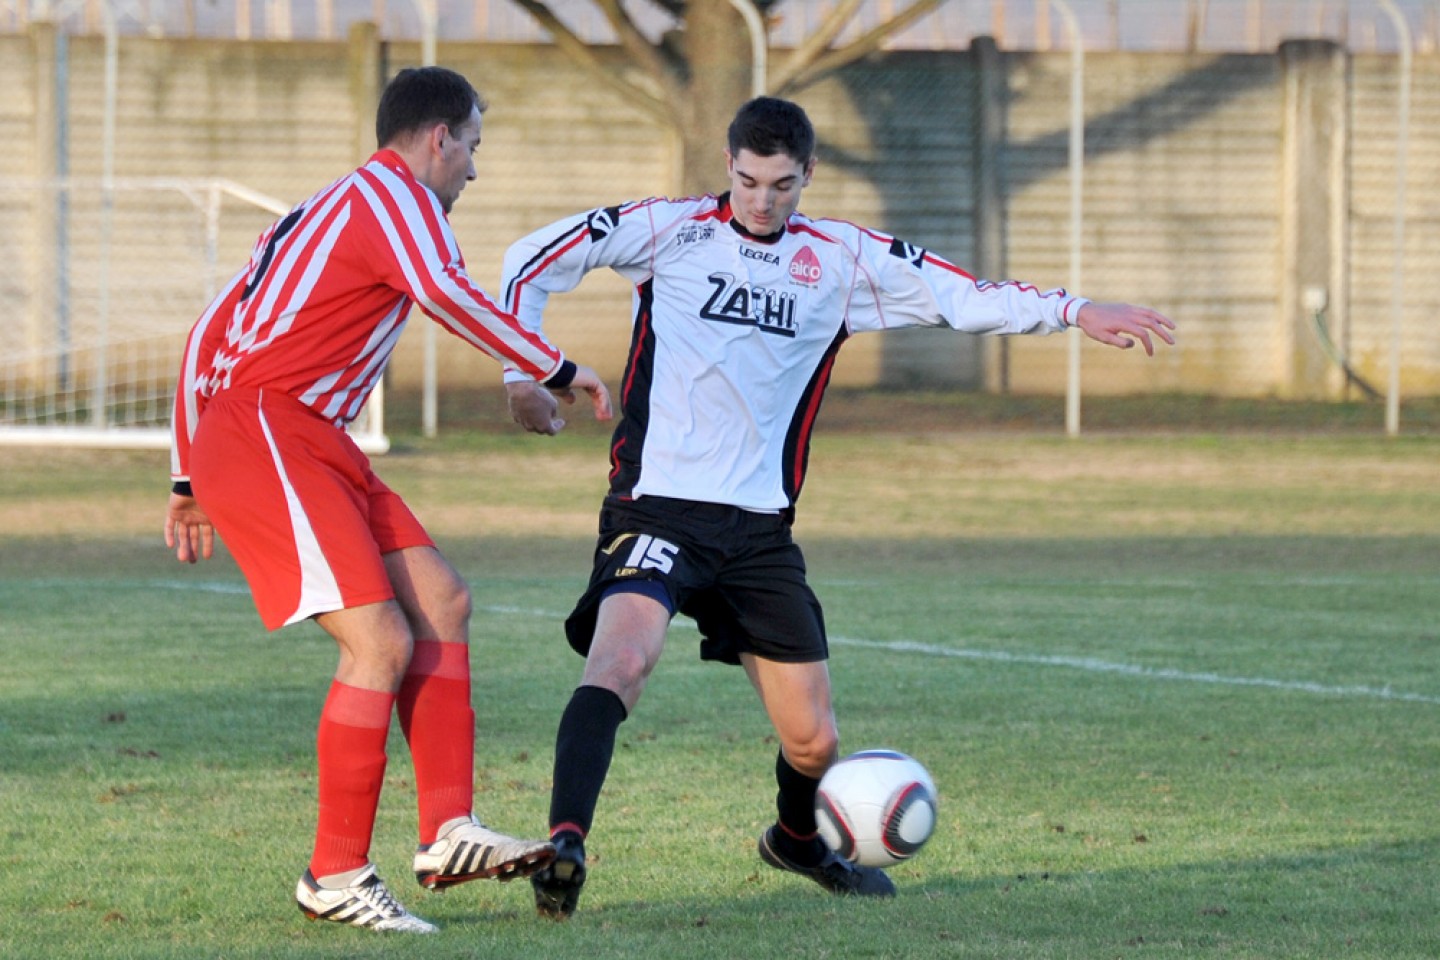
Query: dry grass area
(1003, 485)
(848, 410)
(884, 465)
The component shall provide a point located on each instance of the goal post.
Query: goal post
(100, 283)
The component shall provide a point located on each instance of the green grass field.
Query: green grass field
(1179, 691)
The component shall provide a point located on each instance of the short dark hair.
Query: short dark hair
(767, 126)
(421, 96)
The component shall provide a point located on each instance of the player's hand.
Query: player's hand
(589, 381)
(1121, 324)
(188, 530)
(534, 407)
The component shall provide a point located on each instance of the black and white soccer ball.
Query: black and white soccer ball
(876, 808)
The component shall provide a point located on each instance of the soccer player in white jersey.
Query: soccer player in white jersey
(741, 304)
(274, 369)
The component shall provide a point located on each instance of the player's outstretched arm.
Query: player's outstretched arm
(589, 381)
(1121, 324)
(533, 406)
(188, 530)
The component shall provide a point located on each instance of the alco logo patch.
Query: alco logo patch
(805, 267)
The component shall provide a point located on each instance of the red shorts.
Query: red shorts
(295, 501)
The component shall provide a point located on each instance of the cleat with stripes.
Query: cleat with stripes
(472, 851)
(364, 903)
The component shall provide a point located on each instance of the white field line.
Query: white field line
(1087, 664)
(1092, 665)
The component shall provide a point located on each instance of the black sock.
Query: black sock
(798, 837)
(583, 747)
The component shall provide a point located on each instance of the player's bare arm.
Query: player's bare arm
(188, 530)
(1122, 324)
(589, 381)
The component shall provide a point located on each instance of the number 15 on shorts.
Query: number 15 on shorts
(648, 553)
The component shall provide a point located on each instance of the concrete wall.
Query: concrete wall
(1217, 188)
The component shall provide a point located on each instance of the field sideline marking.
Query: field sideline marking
(1133, 670)
(1088, 664)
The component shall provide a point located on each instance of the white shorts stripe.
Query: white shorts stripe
(319, 590)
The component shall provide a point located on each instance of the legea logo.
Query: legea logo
(805, 267)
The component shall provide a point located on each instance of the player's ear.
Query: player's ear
(809, 171)
(438, 134)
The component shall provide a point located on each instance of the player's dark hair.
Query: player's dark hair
(768, 126)
(419, 97)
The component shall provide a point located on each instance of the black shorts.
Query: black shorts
(738, 573)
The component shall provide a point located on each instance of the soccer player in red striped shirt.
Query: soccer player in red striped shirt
(273, 371)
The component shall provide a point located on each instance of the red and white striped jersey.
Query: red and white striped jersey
(734, 337)
(318, 309)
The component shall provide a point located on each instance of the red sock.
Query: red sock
(439, 724)
(350, 748)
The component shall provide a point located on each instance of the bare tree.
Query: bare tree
(694, 77)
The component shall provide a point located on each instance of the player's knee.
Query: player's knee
(629, 664)
(813, 755)
(378, 663)
(451, 603)
(622, 667)
(461, 602)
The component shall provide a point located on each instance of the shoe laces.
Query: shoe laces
(378, 897)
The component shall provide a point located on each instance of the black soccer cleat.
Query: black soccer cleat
(557, 887)
(834, 873)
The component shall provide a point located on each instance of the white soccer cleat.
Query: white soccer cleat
(469, 850)
(366, 902)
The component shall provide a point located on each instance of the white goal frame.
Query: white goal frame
(105, 278)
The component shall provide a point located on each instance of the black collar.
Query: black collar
(739, 227)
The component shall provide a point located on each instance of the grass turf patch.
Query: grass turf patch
(1178, 693)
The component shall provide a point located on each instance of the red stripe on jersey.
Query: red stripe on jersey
(806, 228)
(615, 458)
(281, 281)
(205, 337)
(321, 304)
(540, 267)
(644, 332)
(807, 423)
(944, 264)
(453, 313)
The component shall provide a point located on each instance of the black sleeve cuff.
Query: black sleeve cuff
(562, 377)
(182, 488)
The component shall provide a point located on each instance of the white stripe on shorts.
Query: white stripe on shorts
(319, 590)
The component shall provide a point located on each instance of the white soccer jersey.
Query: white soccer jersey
(734, 337)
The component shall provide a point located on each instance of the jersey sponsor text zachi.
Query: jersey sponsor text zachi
(725, 342)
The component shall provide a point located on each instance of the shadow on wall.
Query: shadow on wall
(938, 203)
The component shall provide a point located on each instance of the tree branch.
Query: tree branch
(579, 51)
(816, 44)
(797, 75)
(663, 68)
